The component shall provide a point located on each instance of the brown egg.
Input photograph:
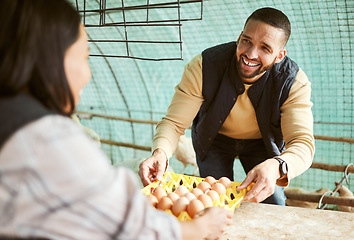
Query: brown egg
(206, 200)
(194, 206)
(219, 188)
(181, 190)
(190, 196)
(225, 181)
(173, 196)
(213, 195)
(211, 180)
(153, 200)
(179, 206)
(164, 203)
(204, 186)
(159, 192)
(197, 192)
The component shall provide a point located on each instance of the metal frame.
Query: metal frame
(104, 13)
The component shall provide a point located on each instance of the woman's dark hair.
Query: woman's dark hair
(34, 38)
(273, 17)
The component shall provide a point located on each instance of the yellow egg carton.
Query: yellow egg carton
(171, 181)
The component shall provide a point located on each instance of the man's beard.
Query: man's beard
(259, 71)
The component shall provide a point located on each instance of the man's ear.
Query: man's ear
(280, 56)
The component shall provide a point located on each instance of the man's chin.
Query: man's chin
(249, 76)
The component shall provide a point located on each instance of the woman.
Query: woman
(54, 181)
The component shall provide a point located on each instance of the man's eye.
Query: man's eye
(266, 49)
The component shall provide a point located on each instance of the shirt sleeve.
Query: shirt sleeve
(70, 190)
(184, 107)
(297, 128)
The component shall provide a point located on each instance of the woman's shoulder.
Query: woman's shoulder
(40, 133)
(51, 127)
(52, 142)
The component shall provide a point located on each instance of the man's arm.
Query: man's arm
(297, 128)
(184, 107)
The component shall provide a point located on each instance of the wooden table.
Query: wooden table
(264, 221)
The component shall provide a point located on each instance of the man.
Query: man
(247, 100)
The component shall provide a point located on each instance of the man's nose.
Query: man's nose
(252, 52)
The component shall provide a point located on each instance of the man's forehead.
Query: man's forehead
(263, 32)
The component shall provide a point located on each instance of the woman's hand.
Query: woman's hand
(208, 224)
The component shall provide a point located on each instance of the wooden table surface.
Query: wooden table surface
(264, 221)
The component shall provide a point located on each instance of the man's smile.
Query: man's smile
(248, 63)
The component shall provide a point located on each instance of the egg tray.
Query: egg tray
(171, 181)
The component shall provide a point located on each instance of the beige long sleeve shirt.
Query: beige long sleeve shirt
(296, 119)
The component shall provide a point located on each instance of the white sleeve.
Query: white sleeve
(70, 190)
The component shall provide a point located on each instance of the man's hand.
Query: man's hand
(264, 175)
(153, 168)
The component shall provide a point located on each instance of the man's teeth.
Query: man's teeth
(248, 63)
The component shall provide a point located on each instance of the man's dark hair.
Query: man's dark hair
(34, 38)
(273, 17)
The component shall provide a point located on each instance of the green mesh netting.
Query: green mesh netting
(121, 33)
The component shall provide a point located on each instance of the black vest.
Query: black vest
(16, 112)
(222, 85)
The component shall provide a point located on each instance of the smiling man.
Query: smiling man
(248, 100)
(260, 45)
